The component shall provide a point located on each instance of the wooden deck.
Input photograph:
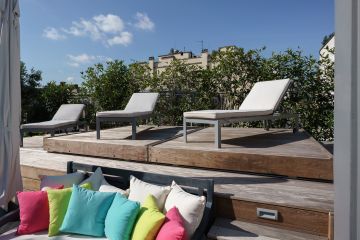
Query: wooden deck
(253, 150)
(303, 205)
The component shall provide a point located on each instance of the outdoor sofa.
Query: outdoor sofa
(66, 117)
(121, 178)
(261, 104)
(140, 106)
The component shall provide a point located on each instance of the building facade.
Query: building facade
(163, 61)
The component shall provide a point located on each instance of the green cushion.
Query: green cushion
(149, 222)
(58, 205)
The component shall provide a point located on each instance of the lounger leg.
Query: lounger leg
(217, 128)
(133, 129)
(97, 128)
(185, 130)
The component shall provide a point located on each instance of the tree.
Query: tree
(108, 87)
(53, 95)
(31, 105)
(327, 38)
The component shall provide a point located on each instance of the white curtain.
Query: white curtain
(10, 100)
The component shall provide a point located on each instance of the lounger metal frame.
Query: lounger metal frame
(132, 120)
(219, 122)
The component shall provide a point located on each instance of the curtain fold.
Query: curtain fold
(10, 101)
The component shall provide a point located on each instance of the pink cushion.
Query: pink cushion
(173, 227)
(34, 212)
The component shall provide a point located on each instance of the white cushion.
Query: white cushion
(139, 190)
(70, 112)
(142, 102)
(191, 207)
(265, 95)
(48, 124)
(107, 187)
(122, 113)
(11, 234)
(224, 114)
(95, 179)
(67, 180)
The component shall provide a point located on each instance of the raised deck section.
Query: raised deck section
(303, 205)
(254, 150)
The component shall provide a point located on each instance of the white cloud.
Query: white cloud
(82, 59)
(53, 34)
(105, 28)
(77, 60)
(109, 23)
(125, 38)
(108, 29)
(69, 79)
(144, 22)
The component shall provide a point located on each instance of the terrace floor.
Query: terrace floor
(303, 205)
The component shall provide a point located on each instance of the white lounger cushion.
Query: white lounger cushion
(48, 124)
(11, 234)
(223, 114)
(265, 95)
(140, 104)
(262, 100)
(71, 112)
(122, 113)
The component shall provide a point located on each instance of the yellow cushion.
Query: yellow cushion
(149, 222)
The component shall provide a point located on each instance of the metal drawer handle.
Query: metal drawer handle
(267, 214)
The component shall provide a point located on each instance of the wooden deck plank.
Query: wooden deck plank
(114, 143)
(226, 229)
(254, 150)
(277, 151)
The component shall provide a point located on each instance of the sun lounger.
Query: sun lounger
(67, 116)
(259, 105)
(140, 106)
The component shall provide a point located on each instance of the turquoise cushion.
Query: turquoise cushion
(121, 217)
(86, 212)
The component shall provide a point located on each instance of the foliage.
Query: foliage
(327, 38)
(184, 88)
(53, 95)
(31, 105)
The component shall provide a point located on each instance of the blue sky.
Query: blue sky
(62, 38)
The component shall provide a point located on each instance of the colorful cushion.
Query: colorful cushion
(95, 179)
(149, 220)
(191, 207)
(58, 205)
(106, 187)
(173, 227)
(34, 212)
(120, 218)
(139, 191)
(87, 212)
(67, 180)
